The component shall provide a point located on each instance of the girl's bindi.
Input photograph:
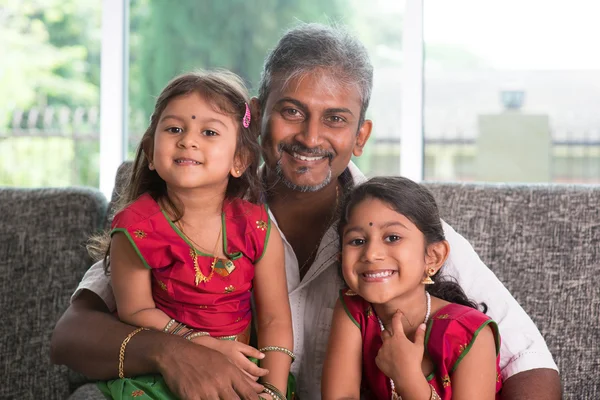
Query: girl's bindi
(193, 117)
(370, 224)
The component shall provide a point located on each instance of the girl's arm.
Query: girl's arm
(132, 286)
(475, 376)
(342, 371)
(273, 311)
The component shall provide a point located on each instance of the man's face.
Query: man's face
(310, 129)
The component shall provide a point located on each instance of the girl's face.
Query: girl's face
(383, 252)
(194, 145)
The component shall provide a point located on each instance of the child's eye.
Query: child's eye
(208, 132)
(357, 242)
(174, 129)
(392, 238)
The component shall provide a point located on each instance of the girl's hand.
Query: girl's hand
(399, 358)
(238, 353)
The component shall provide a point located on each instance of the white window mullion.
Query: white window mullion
(113, 90)
(411, 112)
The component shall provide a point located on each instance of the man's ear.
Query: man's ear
(362, 137)
(436, 255)
(255, 105)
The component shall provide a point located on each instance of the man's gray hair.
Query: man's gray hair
(315, 46)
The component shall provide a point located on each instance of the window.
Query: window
(49, 92)
(511, 90)
(167, 40)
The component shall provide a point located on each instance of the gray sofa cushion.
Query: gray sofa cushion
(42, 258)
(543, 243)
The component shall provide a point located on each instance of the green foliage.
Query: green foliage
(232, 34)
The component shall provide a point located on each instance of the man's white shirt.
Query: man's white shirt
(313, 298)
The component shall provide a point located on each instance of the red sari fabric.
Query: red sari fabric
(449, 336)
(221, 306)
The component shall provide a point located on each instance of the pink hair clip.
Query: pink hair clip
(246, 119)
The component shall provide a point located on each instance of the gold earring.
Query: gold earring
(237, 171)
(427, 280)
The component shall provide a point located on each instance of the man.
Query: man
(314, 93)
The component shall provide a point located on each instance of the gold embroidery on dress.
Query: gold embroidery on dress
(369, 311)
(350, 292)
(137, 393)
(446, 381)
(461, 348)
(443, 316)
(230, 289)
(203, 307)
(140, 234)
(260, 224)
(162, 285)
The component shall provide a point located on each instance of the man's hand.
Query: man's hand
(237, 353)
(195, 372)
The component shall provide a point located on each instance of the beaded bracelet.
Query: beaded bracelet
(270, 389)
(122, 349)
(192, 334)
(168, 326)
(279, 349)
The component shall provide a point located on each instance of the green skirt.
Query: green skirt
(154, 387)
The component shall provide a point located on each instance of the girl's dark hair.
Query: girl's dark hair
(417, 204)
(227, 94)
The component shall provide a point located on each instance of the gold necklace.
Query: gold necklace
(337, 196)
(200, 277)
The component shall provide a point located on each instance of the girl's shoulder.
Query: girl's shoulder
(451, 332)
(247, 226)
(357, 308)
(242, 209)
(143, 208)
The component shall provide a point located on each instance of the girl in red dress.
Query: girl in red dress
(402, 331)
(188, 250)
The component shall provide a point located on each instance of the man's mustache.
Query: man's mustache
(298, 148)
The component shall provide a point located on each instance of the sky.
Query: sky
(519, 34)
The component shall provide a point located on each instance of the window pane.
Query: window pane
(511, 90)
(166, 40)
(49, 92)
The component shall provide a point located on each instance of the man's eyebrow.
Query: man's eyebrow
(295, 102)
(339, 111)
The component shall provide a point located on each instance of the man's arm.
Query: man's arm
(87, 339)
(535, 384)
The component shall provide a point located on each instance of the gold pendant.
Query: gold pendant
(200, 277)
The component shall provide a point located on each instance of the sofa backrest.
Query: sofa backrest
(42, 258)
(543, 243)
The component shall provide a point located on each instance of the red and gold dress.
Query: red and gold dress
(450, 333)
(220, 305)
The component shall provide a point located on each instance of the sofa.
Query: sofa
(542, 241)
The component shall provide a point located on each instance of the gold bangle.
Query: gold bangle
(279, 349)
(122, 349)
